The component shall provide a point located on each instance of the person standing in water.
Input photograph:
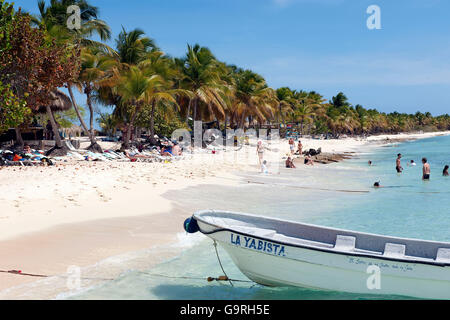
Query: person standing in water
(426, 169)
(398, 163)
(445, 172)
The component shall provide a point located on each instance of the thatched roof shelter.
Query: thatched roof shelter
(61, 102)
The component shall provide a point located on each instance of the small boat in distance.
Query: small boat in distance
(274, 252)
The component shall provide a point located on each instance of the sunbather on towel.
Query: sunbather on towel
(176, 150)
(167, 151)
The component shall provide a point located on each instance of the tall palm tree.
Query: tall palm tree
(253, 98)
(95, 67)
(133, 46)
(144, 86)
(202, 76)
(53, 19)
(286, 103)
(304, 114)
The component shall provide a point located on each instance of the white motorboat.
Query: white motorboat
(275, 252)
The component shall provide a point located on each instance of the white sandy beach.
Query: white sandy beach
(84, 212)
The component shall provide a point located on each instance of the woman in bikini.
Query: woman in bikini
(260, 152)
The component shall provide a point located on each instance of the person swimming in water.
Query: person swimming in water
(398, 163)
(426, 169)
(412, 163)
(445, 172)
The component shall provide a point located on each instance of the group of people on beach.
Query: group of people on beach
(290, 162)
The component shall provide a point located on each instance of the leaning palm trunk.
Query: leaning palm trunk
(152, 120)
(19, 139)
(59, 149)
(195, 109)
(77, 110)
(242, 120)
(188, 111)
(127, 138)
(94, 145)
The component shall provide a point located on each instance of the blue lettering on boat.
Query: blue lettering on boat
(258, 245)
(237, 240)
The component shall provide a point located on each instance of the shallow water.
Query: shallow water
(406, 207)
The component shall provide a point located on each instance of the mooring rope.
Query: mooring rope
(20, 273)
(209, 279)
(220, 263)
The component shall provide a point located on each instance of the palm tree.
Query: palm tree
(53, 19)
(286, 102)
(95, 67)
(144, 86)
(304, 114)
(133, 47)
(202, 76)
(253, 98)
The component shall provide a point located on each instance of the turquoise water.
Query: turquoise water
(406, 207)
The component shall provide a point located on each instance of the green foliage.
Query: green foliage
(13, 111)
(6, 17)
(108, 122)
(166, 128)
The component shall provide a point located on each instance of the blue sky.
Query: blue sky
(321, 45)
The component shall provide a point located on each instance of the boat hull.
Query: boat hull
(274, 264)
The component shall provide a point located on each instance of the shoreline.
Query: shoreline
(96, 218)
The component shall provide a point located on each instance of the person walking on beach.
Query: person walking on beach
(398, 163)
(260, 152)
(445, 172)
(426, 169)
(300, 148)
(292, 145)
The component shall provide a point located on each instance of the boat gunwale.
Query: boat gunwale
(330, 250)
